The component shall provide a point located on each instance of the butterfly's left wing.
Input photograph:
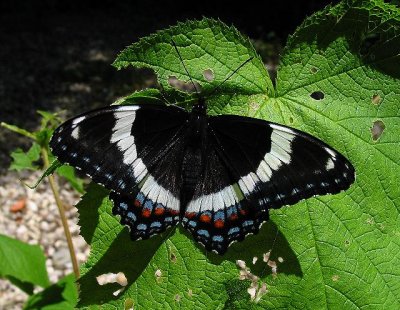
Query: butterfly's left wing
(135, 151)
(253, 166)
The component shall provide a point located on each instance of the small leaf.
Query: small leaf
(25, 160)
(22, 263)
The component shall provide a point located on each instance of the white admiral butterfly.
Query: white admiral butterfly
(216, 175)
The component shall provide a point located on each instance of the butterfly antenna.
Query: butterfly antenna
(163, 94)
(187, 72)
(231, 74)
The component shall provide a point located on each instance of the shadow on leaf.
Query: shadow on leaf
(268, 238)
(124, 255)
(371, 37)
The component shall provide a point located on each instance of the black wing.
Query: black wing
(136, 152)
(252, 166)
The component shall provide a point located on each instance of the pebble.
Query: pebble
(38, 223)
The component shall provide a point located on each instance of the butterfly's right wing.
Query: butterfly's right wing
(253, 166)
(136, 152)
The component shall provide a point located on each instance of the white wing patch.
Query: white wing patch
(154, 191)
(281, 149)
(214, 201)
(124, 119)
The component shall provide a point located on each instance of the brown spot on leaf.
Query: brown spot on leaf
(208, 75)
(128, 304)
(188, 87)
(376, 99)
(313, 70)
(377, 129)
(173, 258)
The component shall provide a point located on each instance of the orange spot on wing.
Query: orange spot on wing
(159, 211)
(233, 217)
(190, 215)
(173, 212)
(137, 203)
(219, 223)
(205, 218)
(146, 213)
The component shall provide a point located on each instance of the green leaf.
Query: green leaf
(62, 295)
(68, 172)
(204, 45)
(22, 263)
(25, 160)
(339, 251)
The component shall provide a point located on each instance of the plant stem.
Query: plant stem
(61, 210)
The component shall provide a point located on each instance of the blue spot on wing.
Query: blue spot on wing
(216, 230)
(143, 216)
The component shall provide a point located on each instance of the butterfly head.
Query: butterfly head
(200, 108)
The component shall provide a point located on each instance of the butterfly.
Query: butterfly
(218, 176)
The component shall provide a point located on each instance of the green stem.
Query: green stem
(61, 210)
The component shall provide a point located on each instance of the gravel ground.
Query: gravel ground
(38, 223)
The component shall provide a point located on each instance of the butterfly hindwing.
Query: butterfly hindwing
(219, 213)
(142, 215)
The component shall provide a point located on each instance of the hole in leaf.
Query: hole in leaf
(128, 304)
(347, 242)
(208, 75)
(313, 70)
(254, 106)
(177, 298)
(377, 129)
(188, 87)
(107, 278)
(317, 95)
(158, 275)
(376, 99)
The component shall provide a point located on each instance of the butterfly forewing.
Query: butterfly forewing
(118, 145)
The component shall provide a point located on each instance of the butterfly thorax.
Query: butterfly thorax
(194, 154)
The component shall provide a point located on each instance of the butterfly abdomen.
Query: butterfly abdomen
(191, 173)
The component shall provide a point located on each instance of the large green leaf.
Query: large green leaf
(340, 251)
(23, 264)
